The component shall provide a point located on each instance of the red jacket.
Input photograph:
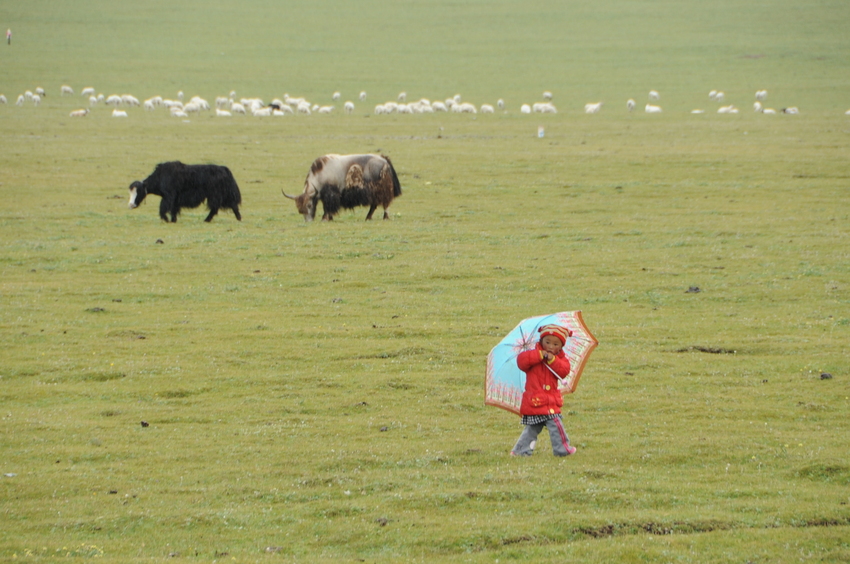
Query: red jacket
(541, 396)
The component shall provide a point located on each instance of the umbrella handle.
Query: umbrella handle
(560, 380)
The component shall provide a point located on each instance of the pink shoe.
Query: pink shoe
(571, 449)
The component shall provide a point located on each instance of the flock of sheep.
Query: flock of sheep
(227, 106)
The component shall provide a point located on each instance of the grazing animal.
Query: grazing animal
(653, 95)
(592, 108)
(348, 181)
(187, 186)
(79, 113)
(651, 109)
(630, 104)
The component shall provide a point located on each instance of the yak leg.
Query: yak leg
(236, 213)
(166, 206)
(386, 215)
(211, 215)
(372, 209)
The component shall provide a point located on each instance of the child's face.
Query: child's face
(551, 344)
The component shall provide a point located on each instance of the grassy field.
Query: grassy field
(314, 392)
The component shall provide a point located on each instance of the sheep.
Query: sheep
(66, 90)
(730, 109)
(336, 96)
(304, 108)
(651, 109)
(439, 106)
(153, 103)
(467, 108)
(202, 104)
(20, 101)
(87, 91)
(404, 109)
(362, 95)
(222, 102)
(698, 111)
(456, 99)
(28, 95)
(40, 91)
(757, 107)
(847, 113)
(278, 113)
(592, 108)
(180, 95)
(719, 96)
(547, 108)
(712, 95)
(500, 104)
(348, 107)
(192, 107)
(547, 95)
(36, 99)
(100, 98)
(263, 112)
(172, 104)
(379, 110)
(769, 111)
(222, 113)
(179, 113)
(129, 100)
(761, 95)
(149, 106)
(79, 113)
(631, 105)
(113, 100)
(653, 95)
(402, 96)
(487, 109)
(792, 110)
(3, 99)
(525, 109)
(237, 108)
(118, 113)
(326, 109)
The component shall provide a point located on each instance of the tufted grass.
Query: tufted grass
(314, 392)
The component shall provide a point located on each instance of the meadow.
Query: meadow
(276, 391)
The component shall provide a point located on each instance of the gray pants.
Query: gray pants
(528, 439)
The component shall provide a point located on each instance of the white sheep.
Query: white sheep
(202, 104)
(336, 96)
(730, 109)
(769, 111)
(525, 109)
(192, 108)
(66, 90)
(87, 91)
(263, 112)
(180, 95)
(761, 95)
(28, 95)
(21, 100)
(40, 91)
(304, 108)
(118, 113)
(222, 102)
(3, 99)
(654, 96)
(592, 108)
(544, 108)
(79, 113)
(487, 109)
(179, 113)
(286, 109)
(348, 107)
(326, 109)
(500, 104)
(222, 113)
(792, 110)
(363, 96)
(547, 95)
(698, 111)
(757, 107)
(652, 109)
(456, 99)
(719, 96)
(237, 108)
(712, 95)
(113, 100)
(129, 100)
(631, 105)
(439, 106)
(847, 113)
(468, 108)
(36, 99)
(402, 96)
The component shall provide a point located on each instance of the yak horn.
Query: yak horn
(287, 195)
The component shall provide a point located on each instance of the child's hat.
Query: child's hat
(557, 331)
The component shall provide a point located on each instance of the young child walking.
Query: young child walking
(541, 400)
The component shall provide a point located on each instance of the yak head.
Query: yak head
(305, 203)
(137, 194)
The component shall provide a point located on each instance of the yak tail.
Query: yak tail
(396, 184)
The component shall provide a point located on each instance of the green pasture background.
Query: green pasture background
(314, 392)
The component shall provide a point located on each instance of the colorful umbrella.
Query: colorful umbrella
(505, 382)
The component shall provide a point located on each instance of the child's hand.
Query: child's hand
(547, 356)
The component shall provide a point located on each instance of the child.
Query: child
(542, 401)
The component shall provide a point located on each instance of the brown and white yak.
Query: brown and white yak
(348, 181)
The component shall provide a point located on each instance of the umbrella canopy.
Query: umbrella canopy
(504, 382)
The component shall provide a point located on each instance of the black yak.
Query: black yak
(348, 181)
(187, 186)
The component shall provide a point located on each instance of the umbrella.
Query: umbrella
(504, 382)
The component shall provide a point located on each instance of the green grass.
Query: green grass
(318, 388)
